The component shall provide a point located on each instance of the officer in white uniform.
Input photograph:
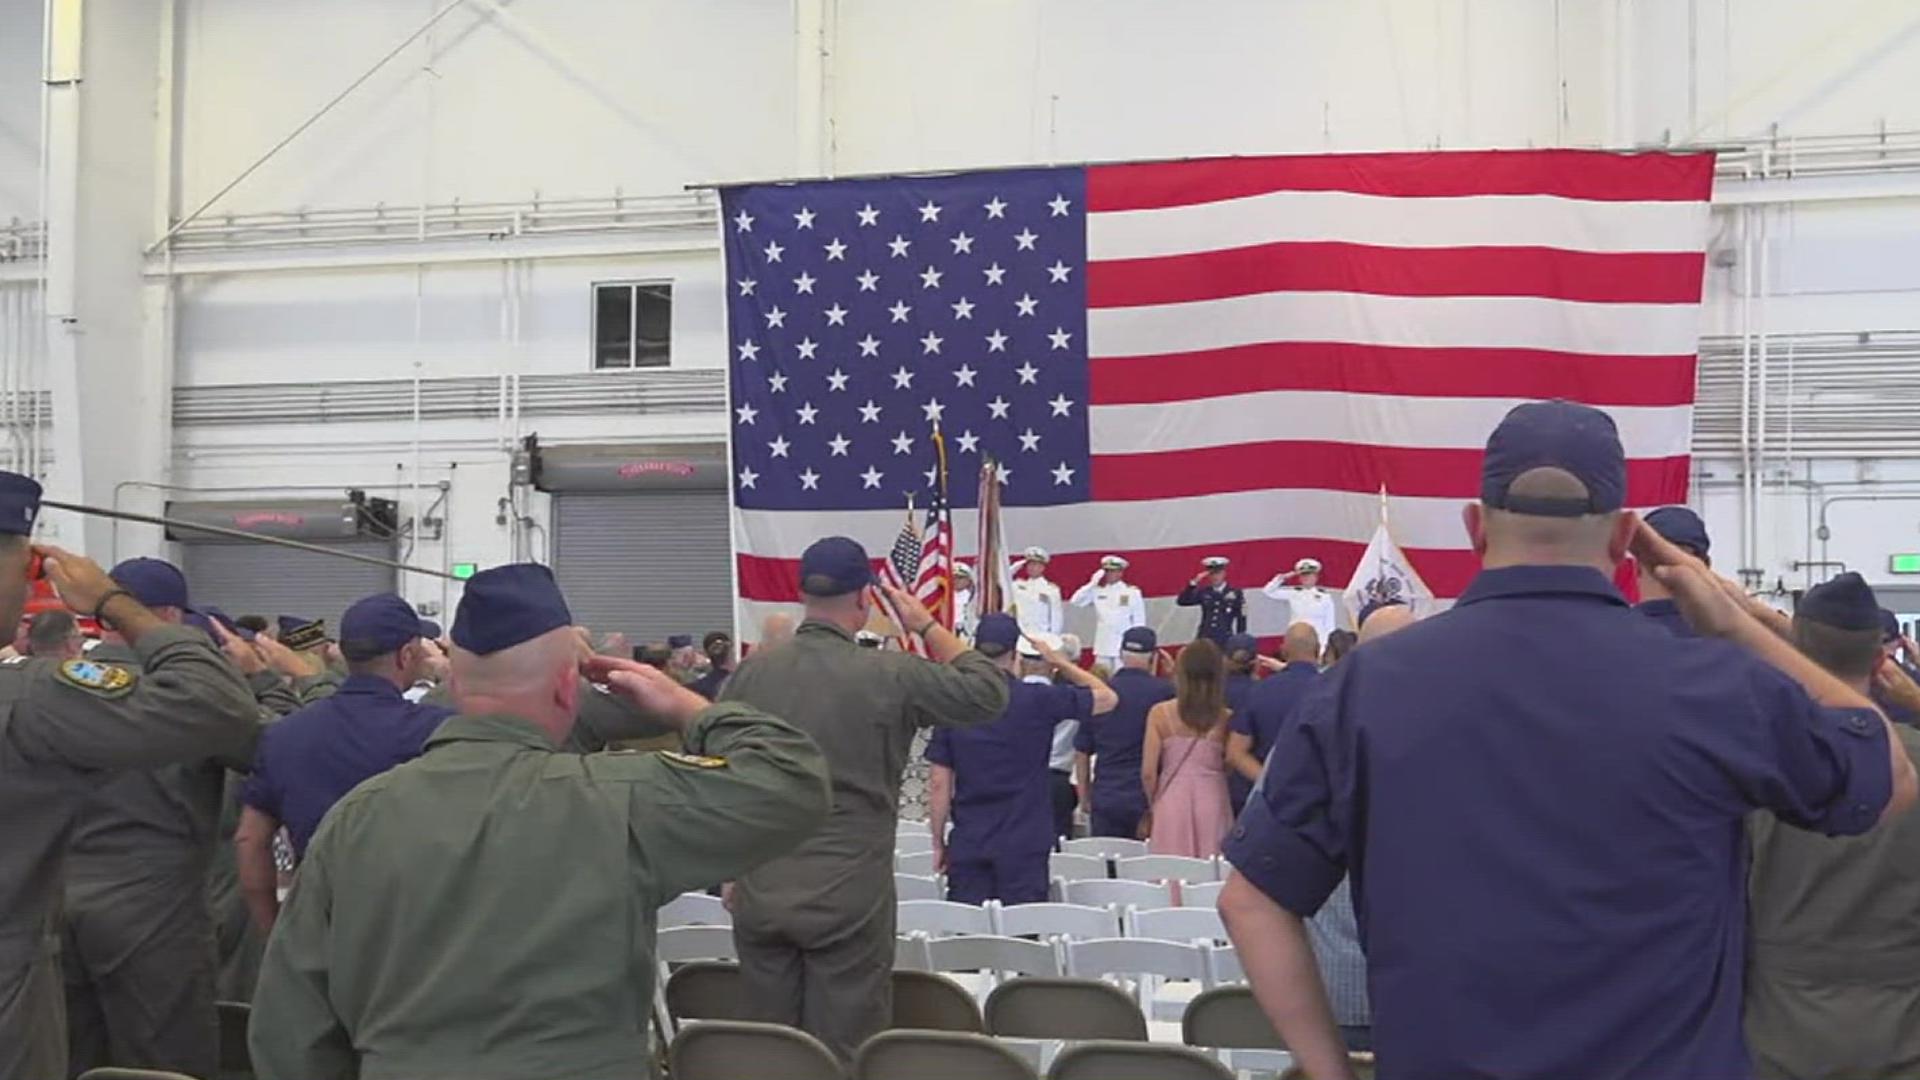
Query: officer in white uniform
(1307, 601)
(1036, 601)
(1117, 607)
(963, 613)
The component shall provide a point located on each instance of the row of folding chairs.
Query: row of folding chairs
(1069, 866)
(1161, 975)
(1023, 1022)
(939, 918)
(911, 835)
(700, 909)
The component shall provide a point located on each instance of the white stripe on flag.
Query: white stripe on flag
(1511, 322)
(1391, 221)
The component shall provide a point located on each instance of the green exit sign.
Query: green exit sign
(1907, 563)
(465, 570)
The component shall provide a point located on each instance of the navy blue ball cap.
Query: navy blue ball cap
(1242, 645)
(1889, 626)
(1681, 526)
(834, 566)
(1139, 639)
(153, 582)
(431, 629)
(376, 626)
(1577, 439)
(508, 605)
(204, 619)
(19, 503)
(680, 641)
(1844, 603)
(997, 628)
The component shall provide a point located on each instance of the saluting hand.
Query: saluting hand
(80, 581)
(1268, 663)
(913, 613)
(1047, 652)
(646, 686)
(1897, 686)
(244, 656)
(1702, 596)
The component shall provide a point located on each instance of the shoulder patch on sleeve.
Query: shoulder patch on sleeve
(105, 680)
(13, 661)
(694, 761)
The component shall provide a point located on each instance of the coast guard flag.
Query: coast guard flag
(1183, 359)
(1385, 575)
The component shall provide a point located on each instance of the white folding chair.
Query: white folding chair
(1077, 867)
(1147, 964)
(910, 952)
(1120, 894)
(680, 944)
(942, 918)
(915, 887)
(913, 862)
(907, 827)
(1201, 894)
(1058, 920)
(1176, 924)
(1105, 847)
(912, 843)
(993, 953)
(695, 909)
(1165, 868)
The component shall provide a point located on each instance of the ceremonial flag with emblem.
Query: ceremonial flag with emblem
(1384, 575)
(1182, 359)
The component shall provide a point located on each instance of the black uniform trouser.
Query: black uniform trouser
(1060, 789)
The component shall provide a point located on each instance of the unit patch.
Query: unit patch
(106, 680)
(694, 761)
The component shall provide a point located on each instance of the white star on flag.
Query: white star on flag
(930, 344)
(746, 286)
(996, 342)
(868, 215)
(1062, 475)
(747, 477)
(744, 220)
(929, 212)
(995, 274)
(1029, 441)
(1060, 337)
(899, 245)
(1028, 373)
(933, 409)
(1060, 206)
(773, 252)
(871, 478)
(1025, 238)
(746, 413)
(748, 350)
(804, 283)
(900, 310)
(962, 244)
(963, 375)
(1059, 271)
(930, 278)
(968, 441)
(1026, 304)
(776, 383)
(779, 446)
(836, 251)
(806, 412)
(838, 444)
(836, 315)
(998, 407)
(995, 207)
(903, 443)
(803, 219)
(902, 379)
(869, 413)
(963, 308)
(869, 281)
(1061, 405)
(807, 347)
(869, 345)
(809, 480)
(776, 317)
(837, 380)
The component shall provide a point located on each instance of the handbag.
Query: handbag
(1144, 830)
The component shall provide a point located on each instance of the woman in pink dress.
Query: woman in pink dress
(1183, 763)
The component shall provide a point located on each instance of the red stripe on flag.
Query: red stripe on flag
(1550, 273)
(1392, 369)
(1573, 174)
(1334, 466)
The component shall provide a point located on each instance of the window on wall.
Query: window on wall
(631, 325)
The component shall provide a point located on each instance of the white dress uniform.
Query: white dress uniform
(1117, 608)
(963, 616)
(1037, 606)
(1316, 606)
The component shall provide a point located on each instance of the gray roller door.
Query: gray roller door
(648, 564)
(255, 579)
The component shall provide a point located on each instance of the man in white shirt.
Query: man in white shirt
(1117, 607)
(1036, 601)
(1307, 601)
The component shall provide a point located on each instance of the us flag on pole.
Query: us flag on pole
(1182, 359)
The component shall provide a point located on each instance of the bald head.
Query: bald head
(775, 629)
(1302, 644)
(1385, 621)
(537, 680)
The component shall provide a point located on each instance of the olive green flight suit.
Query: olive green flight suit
(488, 909)
(815, 929)
(1833, 964)
(140, 960)
(62, 727)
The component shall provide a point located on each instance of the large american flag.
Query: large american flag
(1183, 359)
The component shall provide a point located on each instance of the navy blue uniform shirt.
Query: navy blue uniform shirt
(1002, 797)
(312, 757)
(1540, 797)
(1116, 740)
(1667, 614)
(1271, 702)
(1223, 611)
